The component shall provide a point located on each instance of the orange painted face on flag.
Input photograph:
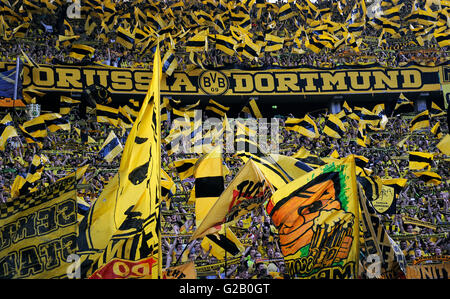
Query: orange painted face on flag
(317, 220)
(295, 218)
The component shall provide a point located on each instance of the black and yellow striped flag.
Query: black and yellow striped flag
(125, 119)
(168, 187)
(442, 38)
(68, 30)
(278, 169)
(35, 127)
(7, 130)
(312, 44)
(33, 139)
(32, 63)
(224, 43)
(66, 41)
(238, 18)
(393, 14)
(420, 160)
(436, 130)
(371, 186)
(79, 51)
(420, 121)
(219, 24)
(20, 31)
(286, 12)
(216, 108)
(135, 106)
(361, 137)
(185, 167)
(360, 165)
(248, 48)
(173, 145)
(252, 109)
(401, 101)
(305, 126)
(334, 127)
(189, 20)
(224, 244)
(108, 115)
(350, 41)
(429, 177)
(66, 104)
(349, 111)
(56, 122)
(396, 183)
(125, 38)
(89, 25)
(273, 43)
(435, 110)
(391, 27)
(390, 193)
(20, 186)
(165, 109)
(169, 62)
(367, 117)
(36, 168)
(423, 17)
(209, 182)
(306, 157)
(197, 43)
(203, 17)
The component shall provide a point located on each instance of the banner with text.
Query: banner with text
(38, 232)
(233, 82)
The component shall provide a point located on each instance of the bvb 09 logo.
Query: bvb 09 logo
(213, 82)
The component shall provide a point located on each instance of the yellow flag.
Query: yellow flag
(123, 221)
(247, 191)
(444, 145)
(7, 131)
(209, 183)
(318, 222)
(224, 244)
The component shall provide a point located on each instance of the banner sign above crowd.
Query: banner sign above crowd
(233, 82)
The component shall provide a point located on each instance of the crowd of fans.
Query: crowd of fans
(262, 256)
(41, 40)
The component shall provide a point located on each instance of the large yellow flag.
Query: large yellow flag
(248, 190)
(318, 223)
(124, 221)
(209, 182)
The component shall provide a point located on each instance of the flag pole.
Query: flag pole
(184, 249)
(226, 264)
(158, 126)
(16, 80)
